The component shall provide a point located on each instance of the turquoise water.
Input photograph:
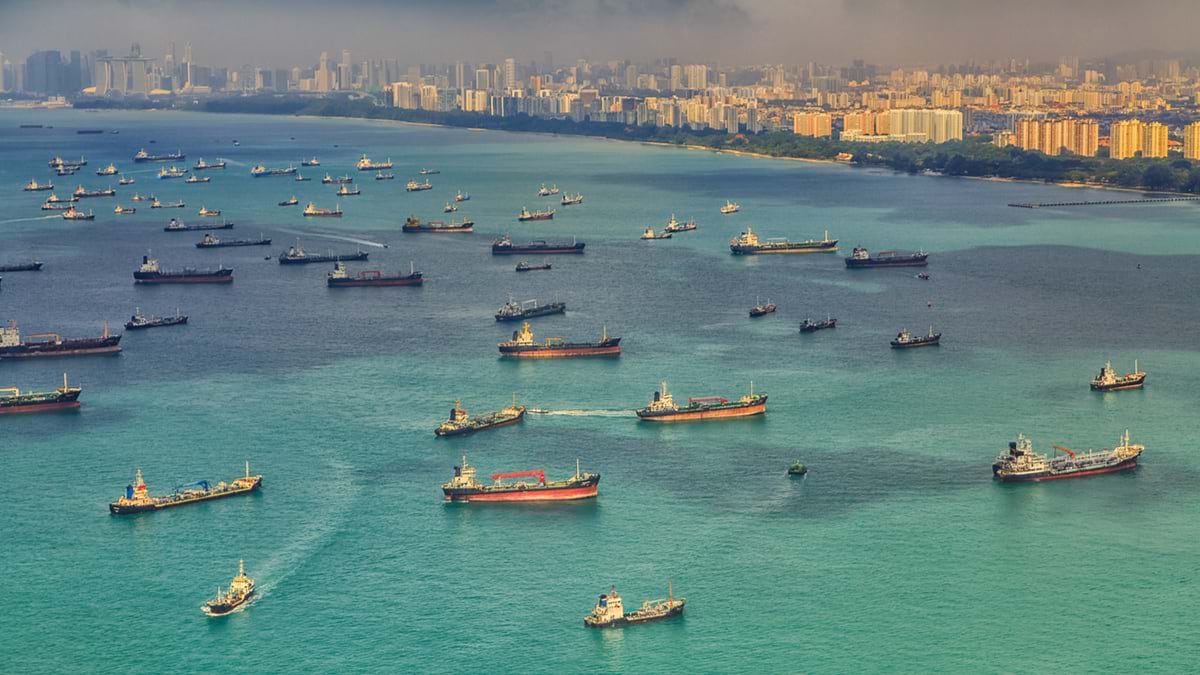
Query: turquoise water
(896, 553)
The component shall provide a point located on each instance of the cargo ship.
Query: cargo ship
(1108, 379)
(810, 326)
(143, 156)
(137, 497)
(1020, 463)
(526, 214)
(177, 204)
(59, 162)
(609, 611)
(125, 181)
(414, 224)
(414, 186)
(55, 199)
(523, 346)
(462, 197)
(730, 207)
(547, 191)
(84, 193)
(210, 241)
(296, 255)
(209, 213)
(526, 267)
(124, 210)
(260, 171)
(505, 246)
(311, 162)
(425, 172)
(365, 164)
(662, 407)
(140, 321)
(57, 206)
(34, 186)
(760, 309)
(461, 423)
(651, 234)
(674, 225)
(192, 180)
(176, 226)
(150, 273)
(748, 243)
(110, 170)
(516, 311)
(340, 278)
(449, 208)
(906, 340)
(860, 257)
(74, 214)
(379, 175)
(166, 173)
(241, 588)
(330, 180)
(290, 202)
(32, 266)
(314, 211)
(569, 199)
(464, 487)
(51, 344)
(201, 165)
(347, 191)
(13, 402)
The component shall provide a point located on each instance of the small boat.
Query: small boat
(651, 234)
(178, 204)
(290, 202)
(209, 213)
(311, 162)
(526, 214)
(810, 326)
(125, 181)
(924, 276)
(449, 208)
(905, 340)
(330, 180)
(347, 191)
(797, 469)
(110, 170)
(429, 172)
(138, 198)
(314, 211)
(609, 612)
(240, 590)
(72, 214)
(201, 165)
(121, 210)
(462, 197)
(379, 175)
(730, 207)
(676, 226)
(139, 321)
(760, 309)
(414, 186)
(569, 199)
(197, 179)
(300, 178)
(526, 267)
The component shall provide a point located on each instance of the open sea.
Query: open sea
(896, 553)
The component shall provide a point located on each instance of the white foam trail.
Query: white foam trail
(25, 220)
(362, 242)
(582, 413)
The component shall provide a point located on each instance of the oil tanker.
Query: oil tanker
(137, 497)
(176, 226)
(748, 243)
(1109, 380)
(12, 401)
(34, 266)
(50, 344)
(1020, 463)
(461, 423)
(464, 487)
(663, 408)
(295, 255)
(150, 273)
(505, 246)
(340, 278)
(414, 224)
(861, 257)
(522, 346)
(143, 156)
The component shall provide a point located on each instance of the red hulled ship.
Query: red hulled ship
(522, 346)
(465, 488)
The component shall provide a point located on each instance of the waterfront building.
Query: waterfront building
(817, 124)
(1191, 141)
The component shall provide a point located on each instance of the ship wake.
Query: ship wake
(26, 220)
(352, 240)
(581, 413)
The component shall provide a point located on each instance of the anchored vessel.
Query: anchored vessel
(339, 278)
(569, 199)
(760, 309)
(59, 163)
(83, 193)
(176, 226)
(609, 612)
(515, 311)
(150, 273)
(240, 590)
(730, 207)
(290, 202)
(748, 243)
(505, 246)
(295, 255)
(12, 401)
(311, 162)
(810, 326)
(201, 165)
(143, 156)
(522, 346)
(110, 170)
(347, 191)
(177, 204)
(663, 408)
(464, 487)
(1109, 380)
(32, 266)
(51, 344)
(860, 257)
(73, 214)
(123, 210)
(414, 224)
(905, 340)
(211, 241)
(676, 226)
(137, 496)
(209, 213)
(449, 208)
(426, 172)
(414, 186)
(34, 186)
(547, 191)
(313, 211)
(797, 469)
(1021, 463)
(330, 180)
(139, 320)
(365, 164)
(125, 181)
(526, 214)
(526, 267)
(651, 234)
(461, 423)
(462, 197)
(259, 171)
(379, 175)
(172, 172)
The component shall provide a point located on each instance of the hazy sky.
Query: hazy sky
(285, 32)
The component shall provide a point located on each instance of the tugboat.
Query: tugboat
(31, 266)
(516, 311)
(748, 243)
(569, 199)
(178, 204)
(240, 590)
(290, 202)
(150, 273)
(526, 214)
(522, 346)
(51, 344)
(13, 402)
(125, 181)
(651, 234)
(462, 197)
(311, 162)
(192, 180)
(526, 267)
(259, 171)
(676, 226)
(173, 172)
(143, 156)
(34, 186)
(730, 207)
(365, 164)
(209, 213)
(505, 246)
(860, 257)
(201, 165)
(110, 170)
(139, 321)
(449, 208)
(1109, 380)
(211, 241)
(413, 224)
(347, 191)
(810, 326)
(662, 407)
(176, 226)
(461, 423)
(760, 309)
(313, 211)
(1021, 463)
(428, 172)
(121, 210)
(137, 497)
(464, 487)
(379, 175)
(609, 612)
(339, 278)
(295, 255)
(72, 214)
(414, 186)
(905, 340)
(330, 180)
(797, 469)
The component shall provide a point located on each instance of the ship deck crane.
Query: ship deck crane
(1064, 449)
(535, 473)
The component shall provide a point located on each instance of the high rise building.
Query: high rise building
(323, 76)
(510, 74)
(460, 75)
(1154, 139)
(631, 77)
(817, 124)
(483, 79)
(676, 77)
(937, 126)
(1191, 140)
(1128, 138)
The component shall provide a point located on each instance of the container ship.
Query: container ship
(295, 255)
(365, 164)
(748, 243)
(241, 588)
(137, 498)
(340, 278)
(516, 311)
(1109, 380)
(260, 171)
(464, 487)
(505, 246)
(176, 226)
(860, 257)
(32, 266)
(461, 423)
(1021, 463)
(140, 321)
(522, 346)
(150, 273)
(314, 211)
(413, 224)
(663, 408)
(526, 214)
(609, 611)
(13, 402)
(143, 156)
(51, 344)
(906, 340)
(210, 241)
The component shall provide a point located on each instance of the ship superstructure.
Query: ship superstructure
(465, 487)
(663, 408)
(1021, 463)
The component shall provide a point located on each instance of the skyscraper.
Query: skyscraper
(510, 73)
(1191, 140)
(323, 74)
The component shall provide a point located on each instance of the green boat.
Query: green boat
(797, 469)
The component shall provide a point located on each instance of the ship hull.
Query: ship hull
(308, 259)
(439, 230)
(197, 228)
(463, 431)
(918, 261)
(627, 621)
(356, 283)
(215, 610)
(127, 509)
(31, 267)
(109, 345)
(219, 277)
(546, 310)
(524, 250)
(172, 321)
(232, 244)
(724, 412)
(51, 406)
(567, 351)
(1120, 386)
(799, 248)
(1127, 465)
(586, 489)
(914, 345)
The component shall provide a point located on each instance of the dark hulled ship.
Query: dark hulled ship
(340, 278)
(861, 257)
(1020, 463)
(137, 498)
(1109, 380)
(906, 340)
(748, 243)
(33, 266)
(460, 422)
(150, 273)
(241, 588)
(296, 255)
(210, 241)
(522, 346)
(810, 326)
(12, 401)
(176, 226)
(609, 611)
(143, 156)
(51, 344)
(464, 487)
(663, 408)
(505, 246)
(414, 224)
(140, 321)
(516, 311)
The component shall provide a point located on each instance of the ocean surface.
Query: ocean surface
(897, 552)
